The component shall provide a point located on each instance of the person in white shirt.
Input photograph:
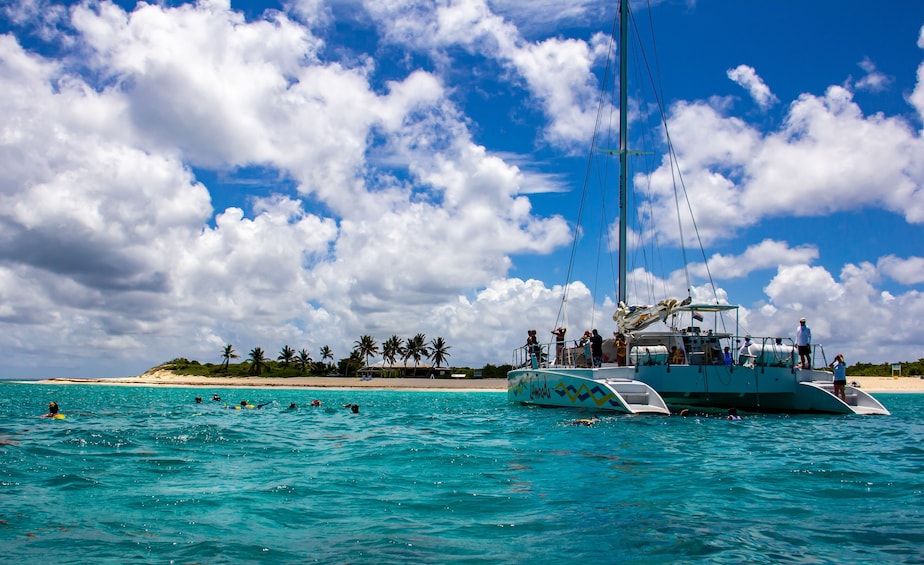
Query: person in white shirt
(804, 344)
(744, 352)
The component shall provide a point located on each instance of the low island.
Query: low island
(162, 376)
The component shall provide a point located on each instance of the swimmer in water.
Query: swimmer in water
(52, 410)
(584, 421)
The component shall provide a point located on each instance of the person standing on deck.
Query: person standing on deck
(596, 348)
(677, 356)
(585, 343)
(804, 344)
(839, 368)
(620, 349)
(559, 334)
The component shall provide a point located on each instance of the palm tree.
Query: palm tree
(228, 354)
(287, 355)
(416, 348)
(391, 349)
(366, 347)
(326, 353)
(304, 360)
(355, 359)
(439, 351)
(258, 361)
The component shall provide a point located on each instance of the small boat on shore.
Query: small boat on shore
(642, 370)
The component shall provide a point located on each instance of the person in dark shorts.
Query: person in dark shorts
(559, 334)
(596, 348)
(839, 368)
(804, 344)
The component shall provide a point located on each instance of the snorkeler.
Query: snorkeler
(584, 421)
(53, 411)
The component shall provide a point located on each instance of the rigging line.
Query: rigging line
(604, 243)
(653, 234)
(601, 104)
(658, 91)
(604, 216)
(675, 163)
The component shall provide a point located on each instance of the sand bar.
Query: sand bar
(161, 377)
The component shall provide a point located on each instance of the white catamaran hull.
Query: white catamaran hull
(591, 389)
(762, 389)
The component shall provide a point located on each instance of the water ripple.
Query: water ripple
(146, 475)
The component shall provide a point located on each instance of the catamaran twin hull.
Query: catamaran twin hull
(583, 388)
(655, 388)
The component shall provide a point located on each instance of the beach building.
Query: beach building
(381, 369)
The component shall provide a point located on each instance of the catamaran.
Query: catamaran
(644, 370)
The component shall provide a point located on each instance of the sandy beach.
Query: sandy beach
(161, 377)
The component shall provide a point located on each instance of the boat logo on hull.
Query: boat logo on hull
(539, 390)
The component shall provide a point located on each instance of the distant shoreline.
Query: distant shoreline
(163, 377)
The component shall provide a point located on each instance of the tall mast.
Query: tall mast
(623, 144)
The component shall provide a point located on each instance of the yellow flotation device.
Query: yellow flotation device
(58, 416)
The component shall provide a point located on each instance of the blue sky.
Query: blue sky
(182, 176)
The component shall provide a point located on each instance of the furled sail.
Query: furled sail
(630, 319)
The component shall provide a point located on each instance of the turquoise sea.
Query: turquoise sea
(146, 475)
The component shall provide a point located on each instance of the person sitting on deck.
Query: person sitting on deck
(677, 356)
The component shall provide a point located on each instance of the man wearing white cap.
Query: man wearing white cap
(804, 344)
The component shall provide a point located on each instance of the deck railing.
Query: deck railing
(769, 352)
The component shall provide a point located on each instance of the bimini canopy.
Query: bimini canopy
(706, 308)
